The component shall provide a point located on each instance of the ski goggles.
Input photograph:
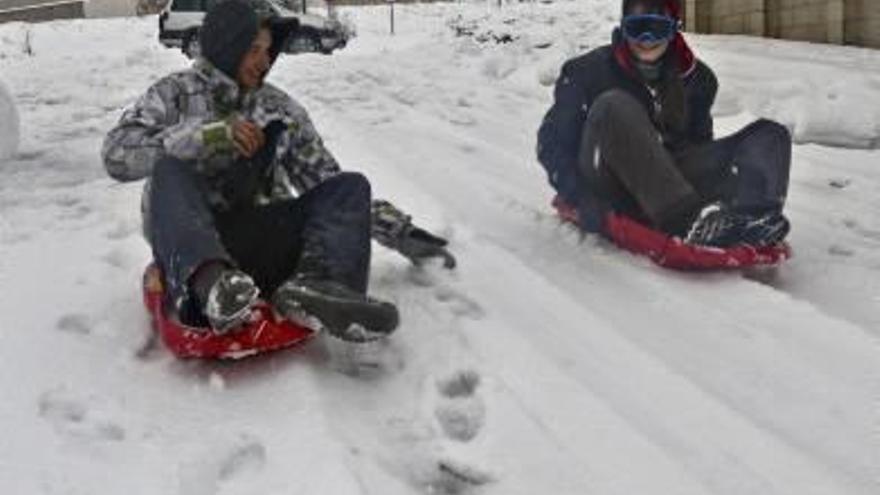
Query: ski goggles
(649, 28)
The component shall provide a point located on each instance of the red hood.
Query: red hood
(674, 8)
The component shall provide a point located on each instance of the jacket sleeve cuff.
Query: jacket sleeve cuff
(216, 137)
(184, 140)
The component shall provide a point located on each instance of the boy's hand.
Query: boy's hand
(247, 137)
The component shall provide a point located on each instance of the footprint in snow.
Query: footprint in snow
(462, 120)
(75, 323)
(53, 101)
(249, 456)
(456, 477)
(460, 411)
(72, 417)
(122, 230)
(366, 361)
(242, 459)
(67, 201)
(26, 156)
(117, 258)
(467, 148)
(459, 303)
(461, 384)
(841, 251)
(72, 209)
(867, 233)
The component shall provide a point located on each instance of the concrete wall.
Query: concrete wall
(40, 10)
(825, 21)
(111, 8)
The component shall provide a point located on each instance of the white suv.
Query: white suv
(180, 21)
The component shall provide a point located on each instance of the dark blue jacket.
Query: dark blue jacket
(586, 77)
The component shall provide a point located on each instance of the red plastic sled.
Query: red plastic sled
(672, 252)
(265, 333)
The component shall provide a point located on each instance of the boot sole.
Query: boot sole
(342, 318)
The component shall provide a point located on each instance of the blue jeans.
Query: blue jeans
(330, 223)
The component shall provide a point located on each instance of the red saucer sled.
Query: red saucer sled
(672, 252)
(265, 333)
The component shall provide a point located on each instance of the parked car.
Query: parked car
(180, 21)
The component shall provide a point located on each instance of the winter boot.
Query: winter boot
(765, 230)
(227, 297)
(328, 305)
(719, 226)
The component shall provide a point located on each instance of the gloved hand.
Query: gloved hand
(419, 245)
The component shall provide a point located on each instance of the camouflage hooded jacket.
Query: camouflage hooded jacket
(186, 115)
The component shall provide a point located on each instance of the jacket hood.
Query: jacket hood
(230, 28)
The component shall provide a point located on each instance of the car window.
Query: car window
(187, 5)
(193, 5)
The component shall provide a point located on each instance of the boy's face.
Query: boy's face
(256, 62)
(648, 52)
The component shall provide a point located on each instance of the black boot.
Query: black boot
(721, 226)
(331, 306)
(316, 300)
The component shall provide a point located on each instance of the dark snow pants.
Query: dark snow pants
(629, 168)
(264, 241)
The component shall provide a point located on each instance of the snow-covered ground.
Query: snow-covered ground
(9, 126)
(546, 363)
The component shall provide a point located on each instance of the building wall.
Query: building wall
(862, 22)
(733, 17)
(806, 20)
(827, 21)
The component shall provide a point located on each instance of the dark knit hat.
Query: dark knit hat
(672, 7)
(229, 29)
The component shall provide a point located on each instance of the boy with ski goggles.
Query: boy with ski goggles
(631, 133)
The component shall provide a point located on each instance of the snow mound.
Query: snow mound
(833, 115)
(823, 94)
(9, 124)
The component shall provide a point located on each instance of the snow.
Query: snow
(9, 124)
(546, 363)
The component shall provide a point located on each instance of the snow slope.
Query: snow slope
(547, 363)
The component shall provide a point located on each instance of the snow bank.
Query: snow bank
(840, 114)
(9, 124)
(824, 94)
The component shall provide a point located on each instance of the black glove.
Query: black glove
(419, 245)
(248, 178)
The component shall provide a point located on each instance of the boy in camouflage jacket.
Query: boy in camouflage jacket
(242, 197)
